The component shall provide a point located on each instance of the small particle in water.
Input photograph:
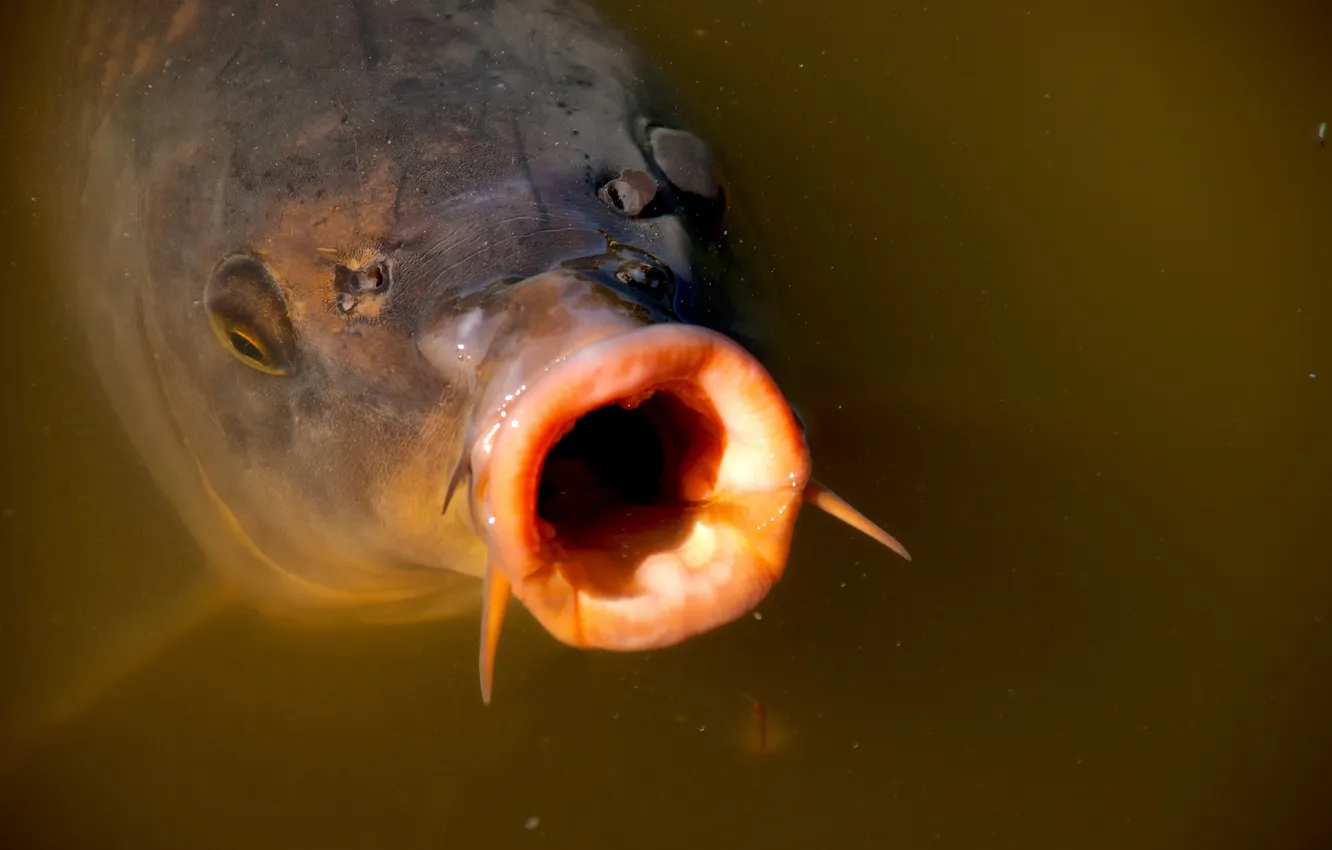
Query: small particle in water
(1321, 134)
(855, 745)
(758, 616)
(533, 822)
(1313, 374)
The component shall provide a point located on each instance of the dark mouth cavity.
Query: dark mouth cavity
(621, 454)
(611, 487)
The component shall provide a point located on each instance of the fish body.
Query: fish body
(413, 306)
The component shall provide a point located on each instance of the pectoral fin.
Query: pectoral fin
(116, 658)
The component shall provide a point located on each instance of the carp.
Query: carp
(415, 307)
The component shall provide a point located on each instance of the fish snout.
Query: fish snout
(635, 483)
(638, 491)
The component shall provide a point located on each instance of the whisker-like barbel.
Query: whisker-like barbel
(829, 502)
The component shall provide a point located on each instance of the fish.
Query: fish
(415, 308)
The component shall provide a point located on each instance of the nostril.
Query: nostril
(357, 289)
(373, 278)
(630, 193)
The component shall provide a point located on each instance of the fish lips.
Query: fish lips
(601, 570)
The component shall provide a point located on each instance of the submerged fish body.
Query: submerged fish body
(393, 297)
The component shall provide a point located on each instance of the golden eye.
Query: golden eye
(247, 348)
(249, 316)
(246, 344)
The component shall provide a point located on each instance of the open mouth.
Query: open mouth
(640, 491)
(626, 483)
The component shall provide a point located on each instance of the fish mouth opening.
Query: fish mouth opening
(615, 489)
(642, 489)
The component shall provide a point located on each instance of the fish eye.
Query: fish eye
(248, 314)
(248, 348)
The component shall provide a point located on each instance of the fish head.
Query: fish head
(633, 476)
(446, 312)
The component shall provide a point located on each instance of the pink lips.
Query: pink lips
(635, 577)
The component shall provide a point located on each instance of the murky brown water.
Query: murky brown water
(1057, 290)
